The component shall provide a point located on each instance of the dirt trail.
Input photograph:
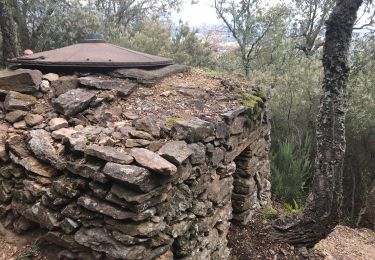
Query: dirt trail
(14, 247)
(345, 243)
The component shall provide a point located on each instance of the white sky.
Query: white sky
(197, 14)
(202, 13)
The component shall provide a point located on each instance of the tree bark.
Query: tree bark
(322, 210)
(8, 32)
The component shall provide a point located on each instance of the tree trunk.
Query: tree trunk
(8, 32)
(322, 210)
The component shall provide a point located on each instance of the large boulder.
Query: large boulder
(74, 101)
(21, 80)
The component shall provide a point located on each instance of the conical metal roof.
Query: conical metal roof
(92, 54)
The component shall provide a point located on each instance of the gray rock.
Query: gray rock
(192, 130)
(3, 139)
(107, 209)
(78, 141)
(68, 225)
(41, 145)
(87, 170)
(137, 208)
(199, 153)
(126, 239)
(21, 80)
(63, 133)
(191, 91)
(180, 200)
(134, 176)
(63, 85)
(108, 153)
(141, 135)
(15, 116)
(99, 239)
(148, 124)
(145, 229)
(33, 119)
(66, 187)
(131, 143)
(57, 123)
(17, 101)
(237, 126)
(37, 213)
(199, 208)
(149, 76)
(153, 161)
(176, 152)
(217, 156)
(45, 217)
(137, 197)
(74, 101)
(123, 88)
(221, 130)
(17, 144)
(230, 115)
(220, 190)
(50, 76)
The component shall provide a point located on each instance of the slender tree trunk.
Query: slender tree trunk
(322, 210)
(8, 32)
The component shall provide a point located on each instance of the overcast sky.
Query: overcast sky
(202, 13)
(197, 14)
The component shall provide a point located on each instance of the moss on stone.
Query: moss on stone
(250, 102)
(26, 98)
(173, 120)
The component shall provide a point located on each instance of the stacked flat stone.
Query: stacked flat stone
(140, 189)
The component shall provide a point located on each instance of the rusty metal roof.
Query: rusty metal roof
(92, 54)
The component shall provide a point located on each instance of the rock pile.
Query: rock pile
(109, 167)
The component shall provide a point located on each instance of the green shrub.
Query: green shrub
(295, 208)
(270, 213)
(290, 166)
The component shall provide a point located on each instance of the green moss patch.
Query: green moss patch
(250, 102)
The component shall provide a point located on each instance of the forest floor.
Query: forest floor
(253, 242)
(246, 242)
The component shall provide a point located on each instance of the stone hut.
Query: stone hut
(135, 161)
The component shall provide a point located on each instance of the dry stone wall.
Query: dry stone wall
(128, 187)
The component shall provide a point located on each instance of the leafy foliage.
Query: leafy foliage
(290, 167)
(292, 208)
(270, 213)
